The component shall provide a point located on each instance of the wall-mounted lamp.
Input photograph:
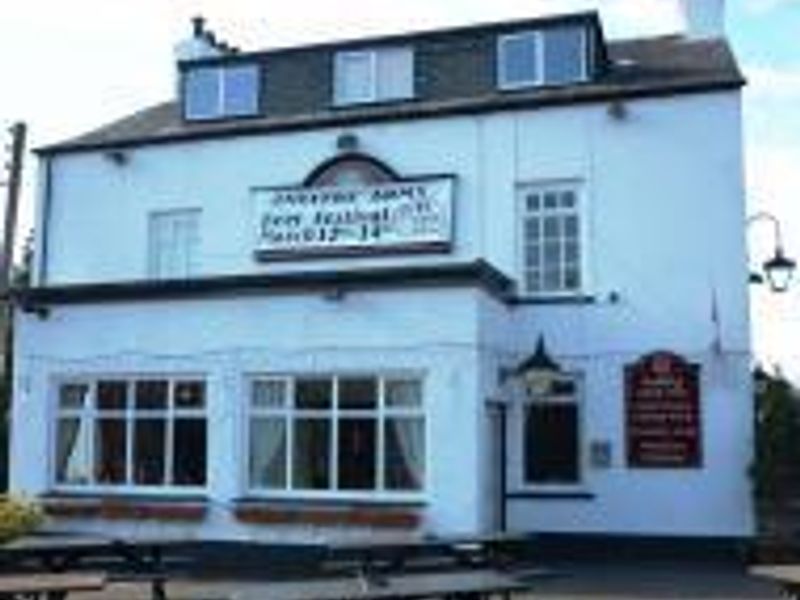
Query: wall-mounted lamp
(536, 371)
(618, 110)
(779, 269)
(118, 157)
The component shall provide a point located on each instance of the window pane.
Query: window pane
(112, 395)
(190, 394)
(148, 451)
(268, 453)
(311, 454)
(241, 90)
(357, 454)
(73, 451)
(353, 77)
(533, 255)
(202, 93)
(358, 393)
(572, 279)
(395, 76)
(152, 395)
(269, 393)
(552, 227)
(403, 393)
(571, 226)
(73, 396)
(551, 200)
(189, 452)
(533, 281)
(110, 448)
(404, 458)
(552, 280)
(518, 59)
(563, 55)
(551, 443)
(533, 202)
(314, 393)
(533, 229)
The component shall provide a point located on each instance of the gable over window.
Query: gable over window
(373, 75)
(552, 56)
(220, 92)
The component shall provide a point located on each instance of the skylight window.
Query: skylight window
(553, 56)
(220, 92)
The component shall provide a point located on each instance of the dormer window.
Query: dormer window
(373, 75)
(553, 56)
(221, 92)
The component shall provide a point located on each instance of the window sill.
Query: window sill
(135, 508)
(543, 494)
(576, 299)
(327, 513)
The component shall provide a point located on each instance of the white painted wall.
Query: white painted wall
(665, 219)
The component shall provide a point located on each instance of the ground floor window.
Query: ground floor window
(551, 435)
(341, 433)
(123, 432)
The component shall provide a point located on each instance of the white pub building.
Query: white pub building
(458, 281)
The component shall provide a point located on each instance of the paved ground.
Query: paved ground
(579, 581)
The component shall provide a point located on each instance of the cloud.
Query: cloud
(773, 83)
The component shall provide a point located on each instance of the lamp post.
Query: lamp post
(778, 269)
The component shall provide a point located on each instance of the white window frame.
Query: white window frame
(377, 495)
(221, 110)
(128, 414)
(154, 268)
(373, 96)
(550, 399)
(538, 36)
(578, 186)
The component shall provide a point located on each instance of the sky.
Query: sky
(68, 67)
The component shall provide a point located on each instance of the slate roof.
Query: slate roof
(648, 67)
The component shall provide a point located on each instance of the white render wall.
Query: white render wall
(665, 251)
(228, 340)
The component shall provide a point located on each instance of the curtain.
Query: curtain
(268, 453)
(410, 436)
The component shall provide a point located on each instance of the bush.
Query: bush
(18, 517)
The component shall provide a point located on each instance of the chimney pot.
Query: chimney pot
(198, 26)
(704, 18)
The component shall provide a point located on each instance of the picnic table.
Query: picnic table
(472, 584)
(71, 555)
(498, 551)
(787, 576)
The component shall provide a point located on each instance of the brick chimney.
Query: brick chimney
(703, 18)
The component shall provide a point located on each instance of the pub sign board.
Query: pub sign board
(410, 215)
(663, 413)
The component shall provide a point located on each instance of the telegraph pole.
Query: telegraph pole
(12, 185)
(14, 166)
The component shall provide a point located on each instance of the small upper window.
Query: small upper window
(173, 243)
(218, 92)
(554, 56)
(373, 75)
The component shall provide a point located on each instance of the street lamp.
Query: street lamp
(779, 269)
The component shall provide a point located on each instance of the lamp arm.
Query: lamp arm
(765, 216)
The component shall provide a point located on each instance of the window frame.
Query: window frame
(581, 483)
(579, 188)
(221, 111)
(154, 270)
(373, 55)
(539, 37)
(129, 417)
(378, 494)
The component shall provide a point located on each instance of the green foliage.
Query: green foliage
(777, 453)
(18, 517)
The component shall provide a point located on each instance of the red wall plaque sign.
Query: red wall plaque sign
(662, 412)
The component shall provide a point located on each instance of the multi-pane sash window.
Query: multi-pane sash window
(219, 92)
(553, 56)
(120, 432)
(340, 434)
(551, 436)
(551, 239)
(173, 240)
(373, 75)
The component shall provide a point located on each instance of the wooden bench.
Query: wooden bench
(53, 586)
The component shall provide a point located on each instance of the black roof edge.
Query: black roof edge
(416, 111)
(591, 17)
(478, 273)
